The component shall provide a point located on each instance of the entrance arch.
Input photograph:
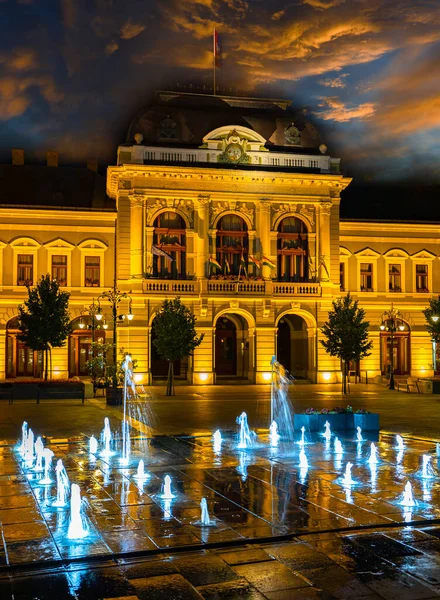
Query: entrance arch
(21, 361)
(396, 349)
(293, 350)
(232, 347)
(80, 344)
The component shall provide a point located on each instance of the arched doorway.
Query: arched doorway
(293, 345)
(21, 361)
(80, 344)
(396, 349)
(159, 366)
(231, 347)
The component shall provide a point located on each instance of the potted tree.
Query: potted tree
(105, 374)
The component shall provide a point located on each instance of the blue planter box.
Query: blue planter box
(338, 422)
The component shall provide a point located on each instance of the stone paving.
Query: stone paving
(281, 533)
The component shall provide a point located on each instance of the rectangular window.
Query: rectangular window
(422, 278)
(394, 278)
(59, 269)
(25, 269)
(342, 276)
(92, 271)
(366, 277)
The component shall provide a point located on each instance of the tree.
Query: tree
(103, 372)
(432, 323)
(346, 333)
(44, 319)
(174, 330)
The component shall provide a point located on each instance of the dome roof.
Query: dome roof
(182, 119)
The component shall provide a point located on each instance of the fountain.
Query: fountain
(338, 447)
(127, 367)
(62, 484)
(29, 455)
(372, 460)
(39, 447)
(281, 409)
(106, 439)
(167, 494)
(303, 462)
(93, 445)
(217, 441)
(24, 435)
(78, 527)
(205, 519)
(347, 479)
(246, 436)
(242, 467)
(408, 498)
(47, 457)
(400, 445)
(427, 470)
(302, 441)
(273, 434)
(327, 433)
(359, 437)
(141, 474)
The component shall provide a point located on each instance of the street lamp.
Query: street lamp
(94, 312)
(115, 296)
(390, 319)
(434, 318)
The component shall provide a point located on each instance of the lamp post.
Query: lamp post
(389, 323)
(115, 296)
(434, 319)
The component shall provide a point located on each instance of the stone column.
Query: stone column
(252, 235)
(324, 241)
(263, 226)
(212, 233)
(136, 236)
(148, 254)
(201, 208)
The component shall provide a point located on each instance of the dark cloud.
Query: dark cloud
(73, 73)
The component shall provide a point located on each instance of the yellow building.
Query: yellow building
(233, 204)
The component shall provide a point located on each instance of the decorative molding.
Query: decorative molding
(303, 210)
(233, 206)
(325, 208)
(185, 207)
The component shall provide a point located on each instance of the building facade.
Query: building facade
(233, 204)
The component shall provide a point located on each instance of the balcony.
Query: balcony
(223, 287)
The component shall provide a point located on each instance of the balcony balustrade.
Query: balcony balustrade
(221, 288)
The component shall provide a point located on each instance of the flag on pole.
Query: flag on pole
(254, 260)
(159, 252)
(217, 50)
(227, 266)
(267, 262)
(243, 264)
(214, 263)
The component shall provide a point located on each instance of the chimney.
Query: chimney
(92, 164)
(52, 158)
(17, 156)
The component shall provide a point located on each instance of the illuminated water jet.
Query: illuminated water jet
(47, 457)
(78, 527)
(63, 484)
(359, 437)
(273, 434)
(246, 436)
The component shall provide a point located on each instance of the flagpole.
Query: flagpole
(213, 58)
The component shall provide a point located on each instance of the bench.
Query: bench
(6, 392)
(70, 391)
(407, 384)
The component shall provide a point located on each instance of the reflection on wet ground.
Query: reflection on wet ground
(253, 495)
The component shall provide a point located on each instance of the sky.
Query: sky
(73, 73)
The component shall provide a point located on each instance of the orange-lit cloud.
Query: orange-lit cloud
(334, 82)
(131, 30)
(334, 109)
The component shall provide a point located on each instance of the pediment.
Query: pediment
(239, 131)
(59, 243)
(367, 253)
(344, 251)
(92, 245)
(396, 253)
(25, 242)
(423, 255)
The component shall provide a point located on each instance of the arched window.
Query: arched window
(169, 236)
(292, 250)
(232, 243)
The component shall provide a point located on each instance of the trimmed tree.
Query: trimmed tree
(174, 330)
(432, 323)
(44, 320)
(346, 334)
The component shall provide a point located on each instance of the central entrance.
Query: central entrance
(231, 348)
(292, 345)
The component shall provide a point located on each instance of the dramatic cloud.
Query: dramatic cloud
(83, 72)
(334, 109)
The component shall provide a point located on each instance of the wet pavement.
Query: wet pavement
(281, 532)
